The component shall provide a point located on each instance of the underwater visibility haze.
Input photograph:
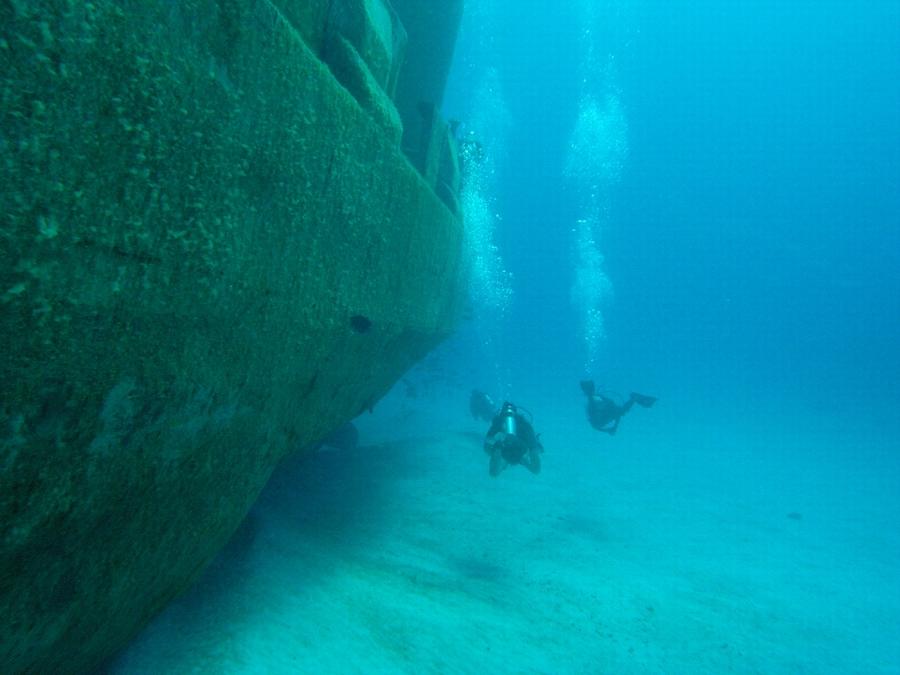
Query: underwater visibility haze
(681, 256)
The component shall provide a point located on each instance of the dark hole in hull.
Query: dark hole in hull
(359, 323)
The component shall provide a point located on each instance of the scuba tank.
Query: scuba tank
(508, 413)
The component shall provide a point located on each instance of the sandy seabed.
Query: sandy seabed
(679, 546)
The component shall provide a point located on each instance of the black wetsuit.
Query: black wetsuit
(603, 413)
(521, 448)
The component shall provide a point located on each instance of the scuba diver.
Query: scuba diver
(604, 413)
(511, 440)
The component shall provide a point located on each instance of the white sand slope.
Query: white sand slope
(676, 547)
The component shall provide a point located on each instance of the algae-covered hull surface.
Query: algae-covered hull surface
(196, 218)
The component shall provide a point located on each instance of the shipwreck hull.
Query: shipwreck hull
(196, 212)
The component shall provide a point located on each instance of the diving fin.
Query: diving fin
(587, 386)
(643, 401)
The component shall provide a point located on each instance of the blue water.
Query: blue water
(695, 200)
